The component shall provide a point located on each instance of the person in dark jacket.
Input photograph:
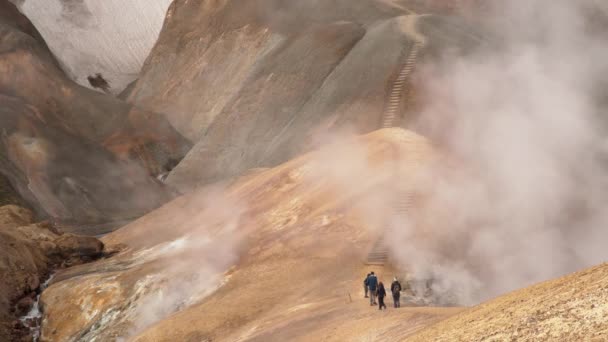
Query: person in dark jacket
(381, 295)
(372, 284)
(396, 291)
(365, 287)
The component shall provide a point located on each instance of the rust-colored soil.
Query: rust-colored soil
(571, 308)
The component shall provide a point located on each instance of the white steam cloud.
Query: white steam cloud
(525, 198)
(191, 266)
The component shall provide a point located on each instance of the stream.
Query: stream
(33, 318)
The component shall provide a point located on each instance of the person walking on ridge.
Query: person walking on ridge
(372, 284)
(381, 295)
(365, 287)
(396, 291)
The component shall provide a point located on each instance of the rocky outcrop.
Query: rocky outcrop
(73, 154)
(28, 254)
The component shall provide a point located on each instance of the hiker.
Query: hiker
(365, 287)
(372, 284)
(396, 290)
(381, 295)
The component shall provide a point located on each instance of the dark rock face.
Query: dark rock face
(99, 82)
(73, 154)
(24, 305)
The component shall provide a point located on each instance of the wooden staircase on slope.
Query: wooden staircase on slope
(393, 104)
(378, 254)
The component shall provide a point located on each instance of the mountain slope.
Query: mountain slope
(254, 83)
(277, 87)
(206, 51)
(276, 255)
(73, 154)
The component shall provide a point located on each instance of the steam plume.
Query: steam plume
(523, 120)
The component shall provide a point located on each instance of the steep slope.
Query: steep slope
(571, 308)
(106, 38)
(255, 83)
(74, 154)
(277, 87)
(353, 96)
(277, 255)
(218, 43)
(218, 63)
